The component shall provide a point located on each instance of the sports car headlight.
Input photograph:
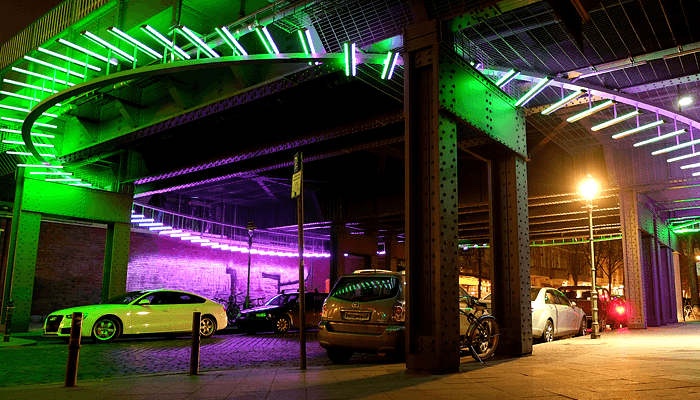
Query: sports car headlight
(70, 316)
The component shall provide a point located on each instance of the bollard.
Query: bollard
(8, 320)
(196, 339)
(76, 326)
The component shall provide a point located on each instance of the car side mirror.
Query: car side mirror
(144, 302)
(573, 304)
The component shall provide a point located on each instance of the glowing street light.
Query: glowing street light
(588, 188)
(251, 231)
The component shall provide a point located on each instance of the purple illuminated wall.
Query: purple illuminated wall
(70, 259)
(161, 262)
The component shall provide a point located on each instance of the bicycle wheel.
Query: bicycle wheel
(483, 337)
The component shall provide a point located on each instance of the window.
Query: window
(562, 299)
(550, 297)
(366, 288)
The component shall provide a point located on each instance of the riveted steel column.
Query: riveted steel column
(432, 321)
(631, 246)
(510, 252)
(116, 260)
(21, 263)
(650, 276)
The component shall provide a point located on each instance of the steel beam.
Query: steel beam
(432, 273)
(632, 250)
(509, 245)
(116, 260)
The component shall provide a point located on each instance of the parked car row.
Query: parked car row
(364, 312)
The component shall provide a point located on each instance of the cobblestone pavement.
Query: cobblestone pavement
(46, 362)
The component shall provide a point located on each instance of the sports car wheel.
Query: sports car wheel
(207, 326)
(106, 329)
(548, 333)
(282, 324)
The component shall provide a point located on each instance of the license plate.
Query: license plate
(356, 316)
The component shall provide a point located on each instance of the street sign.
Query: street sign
(297, 177)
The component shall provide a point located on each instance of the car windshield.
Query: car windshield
(282, 300)
(366, 288)
(533, 293)
(126, 298)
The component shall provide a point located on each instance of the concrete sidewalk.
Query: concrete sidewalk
(642, 364)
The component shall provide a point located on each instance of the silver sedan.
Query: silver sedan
(553, 315)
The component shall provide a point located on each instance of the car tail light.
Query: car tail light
(324, 312)
(620, 310)
(398, 313)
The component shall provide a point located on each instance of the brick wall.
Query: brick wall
(70, 261)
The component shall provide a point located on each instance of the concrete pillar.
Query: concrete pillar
(390, 245)
(678, 290)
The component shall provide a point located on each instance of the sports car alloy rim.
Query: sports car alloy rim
(206, 327)
(105, 330)
(548, 335)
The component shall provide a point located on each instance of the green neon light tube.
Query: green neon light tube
(120, 34)
(165, 42)
(39, 166)
(101, 42)
(19, 96)
(662, 137)
(80, 184)
(307, 32)
(393, 65)
(25, 110)
(638, 129)
(21, 153)
(88, 52)
(195, 40)
(262, 39)
(387, 61)
(615, 120)
(22, 143)
(21, 121)
(56, 67)
(559, 104)
(51, 173)
(32, 133)
(350, 60)
(48, 78)
(534, 91)
(302, 39)
(590, 111)
(505, 78)
(63, 179)
(66, 58)
(686, 224)
(676, 147)
(29, 86)
(230, 40)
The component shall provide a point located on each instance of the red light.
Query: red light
(620, 310)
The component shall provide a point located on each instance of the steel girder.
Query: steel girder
(632, 247)
(432, 320)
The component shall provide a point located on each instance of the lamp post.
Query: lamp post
(589, 187)
(251, 231)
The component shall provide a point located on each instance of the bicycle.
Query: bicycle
(481, 338)
(232, 308)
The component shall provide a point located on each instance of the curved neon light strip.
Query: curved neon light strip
(181, 66)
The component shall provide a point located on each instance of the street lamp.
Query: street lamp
(251, 231)
(589, 187)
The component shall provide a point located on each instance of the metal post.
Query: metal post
(247, 293)
(76, 327)
(595, 331)
(8, 320)
(302, 290)
(196, 340)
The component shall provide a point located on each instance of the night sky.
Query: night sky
(15, 15)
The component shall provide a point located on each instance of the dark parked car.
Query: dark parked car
(281, 313)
